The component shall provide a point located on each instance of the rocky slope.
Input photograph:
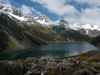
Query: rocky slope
(22, 34)
(82, 64)
(26, 32)
(75, 32)
(95, 41)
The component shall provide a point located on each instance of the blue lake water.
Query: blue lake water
(50, 51)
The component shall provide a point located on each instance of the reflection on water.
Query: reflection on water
(50, 51)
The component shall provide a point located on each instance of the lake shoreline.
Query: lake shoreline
(73, 65)
(50, 51)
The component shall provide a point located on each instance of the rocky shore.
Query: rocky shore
(84, 64)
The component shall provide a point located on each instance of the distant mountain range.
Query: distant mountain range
(18, 31)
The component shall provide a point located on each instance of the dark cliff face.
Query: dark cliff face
(26, 36)
(70, 33)
(95, 41)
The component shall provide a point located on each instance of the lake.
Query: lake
(50, 51)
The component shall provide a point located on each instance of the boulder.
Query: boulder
(5, 68)
(56, 60)
(98, 74)
(52, 65)
(98, 64)
(32, 73)
(18, 68)
(67, 63)
(44, 61)
(83, 72)
(72, 60)
(37, 68)
(66, 68)
(31, 59)
(94, 71)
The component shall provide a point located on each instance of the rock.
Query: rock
(94, 57)
(32, 73)
(98, 64)
(98, 74)
(52, 65)
(18, 68)
(44, 61)
(84, 62)
(37, 68)
(31, 59)
(94, 71)
(66, 68)
(67, 63)
(58, 60)
(72, 60)
(83, 72)
(5, 68)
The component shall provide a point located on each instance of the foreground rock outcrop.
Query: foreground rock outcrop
(84, 64)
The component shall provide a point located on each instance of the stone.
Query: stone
(98, 74)
(32, 73)
(44, 61)
(83, 72)
(66, 68)
(72, 60)
(18, 68)
(37, 68)
(94, 71)
(67, 63)
(98, 64)
(5, 68)
(56, 60)
(52, 65)
(31, 59)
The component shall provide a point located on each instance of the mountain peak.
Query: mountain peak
(11, 10)
(63, 21)
(43, 18)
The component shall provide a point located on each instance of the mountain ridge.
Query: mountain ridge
(34, 31)
(24, 35)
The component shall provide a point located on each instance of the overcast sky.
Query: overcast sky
(73, 11)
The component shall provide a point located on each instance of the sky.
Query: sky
(73, 11)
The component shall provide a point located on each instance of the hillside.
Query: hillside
(6, 43)
(27, 31)
(23, 35)
(95, 41)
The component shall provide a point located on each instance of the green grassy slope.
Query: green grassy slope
(23, 35)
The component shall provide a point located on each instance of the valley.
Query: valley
(27, 32)
(39, 46)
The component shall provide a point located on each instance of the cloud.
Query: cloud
(27, 10)
(30, 11)
(58, 7)
(5, 2)
(90, 2)
(88, 15)
(65, 9)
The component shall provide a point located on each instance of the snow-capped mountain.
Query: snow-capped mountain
(72, 31)
(17, 33)
(13, 12)
(43, 18)
(88, 29)
(47, 21)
